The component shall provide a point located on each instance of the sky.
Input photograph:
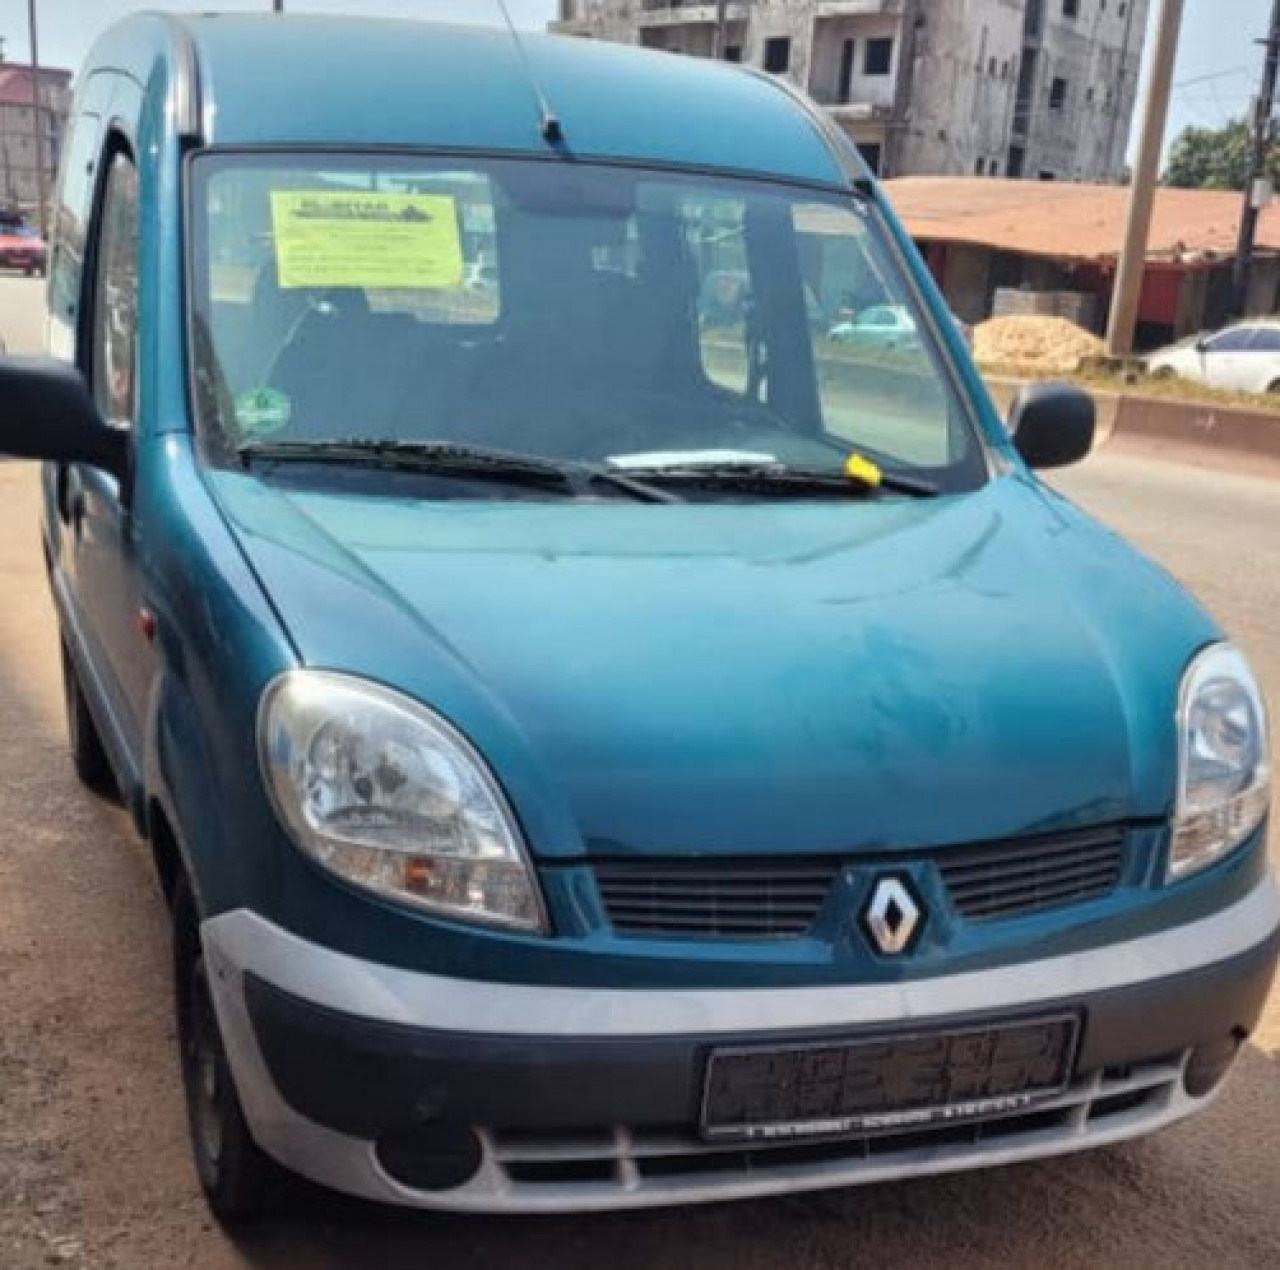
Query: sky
(1218, 65)
(68, 27)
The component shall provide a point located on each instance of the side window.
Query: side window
(114, 329)
(75, 193)
(1234, 341)
(1266, 339)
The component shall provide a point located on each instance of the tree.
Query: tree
(1215, 158)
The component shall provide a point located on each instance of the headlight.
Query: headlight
(390, 797)
(1224, 776)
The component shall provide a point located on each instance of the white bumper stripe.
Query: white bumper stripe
(242, 941)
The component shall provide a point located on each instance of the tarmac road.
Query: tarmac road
(94, 1169)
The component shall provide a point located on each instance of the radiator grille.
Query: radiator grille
(1010, 879)
(781, 899)
(726, 900)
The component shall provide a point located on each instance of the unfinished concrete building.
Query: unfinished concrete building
(1022, 88)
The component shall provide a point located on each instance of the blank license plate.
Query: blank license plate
(886, 1083)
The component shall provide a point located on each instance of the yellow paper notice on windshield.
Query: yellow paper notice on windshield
(327, 238)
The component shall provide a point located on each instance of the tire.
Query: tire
(241, 1184)
(88, 756)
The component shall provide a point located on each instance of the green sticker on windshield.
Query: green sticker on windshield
(263, 411)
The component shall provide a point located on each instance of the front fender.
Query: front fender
(219, 644)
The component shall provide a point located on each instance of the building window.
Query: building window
(1070, 8)
(872, 154)
(733, 52)
(991, 67)
(878, 58)
(1058, 94)
(993, 168)
(777, 55)
(1048, 176)
(980, 169)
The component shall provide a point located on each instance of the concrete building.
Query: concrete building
(19, 174)
(1022, 88)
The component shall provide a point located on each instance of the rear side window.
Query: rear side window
(115, 296)
(1266, 339)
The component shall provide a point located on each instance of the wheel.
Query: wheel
(88, 756)
(240, 1182)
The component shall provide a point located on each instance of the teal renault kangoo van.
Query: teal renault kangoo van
(616, 724)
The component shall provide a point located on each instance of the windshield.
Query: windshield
(574, 312)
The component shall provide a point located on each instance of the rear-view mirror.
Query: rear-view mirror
(46, 412)
(1053, 424)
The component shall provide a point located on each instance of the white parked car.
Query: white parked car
(1244, 358)
(885, 326)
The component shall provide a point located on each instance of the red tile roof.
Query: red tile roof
(1077, 222)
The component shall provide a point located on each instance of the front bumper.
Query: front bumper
(588, 1098)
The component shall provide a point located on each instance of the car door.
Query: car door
(103, 549)
(1226, 359)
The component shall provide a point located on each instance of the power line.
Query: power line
(1205, 79)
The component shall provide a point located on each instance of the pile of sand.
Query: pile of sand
(1049, 344)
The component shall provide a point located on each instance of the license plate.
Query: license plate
(885, 1083)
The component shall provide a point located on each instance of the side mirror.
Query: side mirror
(1202, 345)
(46, 412)
(1053, 425)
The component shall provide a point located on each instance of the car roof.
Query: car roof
(265, 79)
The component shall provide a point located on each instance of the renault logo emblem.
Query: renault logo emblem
(892, 916)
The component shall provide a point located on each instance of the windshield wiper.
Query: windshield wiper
(452, 459)
(778, 478)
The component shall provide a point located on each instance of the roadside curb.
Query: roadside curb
(1191, 432)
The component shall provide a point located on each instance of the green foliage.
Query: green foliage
(1215, 158)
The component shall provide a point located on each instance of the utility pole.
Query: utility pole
(1253, 202)
(1155, 114)
(42, 177)
(722, 30)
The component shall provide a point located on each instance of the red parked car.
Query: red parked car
(22, 248)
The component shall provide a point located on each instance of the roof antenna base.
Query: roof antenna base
(549, 125)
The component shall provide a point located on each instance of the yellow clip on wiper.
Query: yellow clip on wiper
(858, 468)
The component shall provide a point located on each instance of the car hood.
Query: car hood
(754, 678)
